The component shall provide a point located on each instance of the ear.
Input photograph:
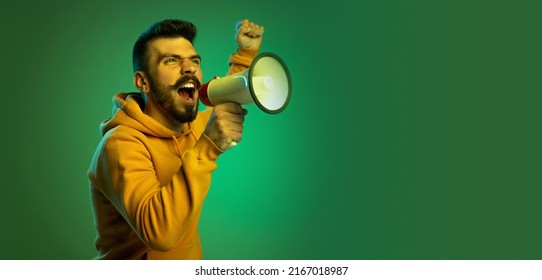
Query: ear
(141, 82)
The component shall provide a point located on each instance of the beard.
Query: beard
(164, 95)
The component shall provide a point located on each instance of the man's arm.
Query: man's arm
(160, 214)
(225, 126)
(249, 40)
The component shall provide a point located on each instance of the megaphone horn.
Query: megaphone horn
(266, 83)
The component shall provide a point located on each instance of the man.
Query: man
(152, 169)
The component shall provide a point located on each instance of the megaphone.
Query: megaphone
(266, 83)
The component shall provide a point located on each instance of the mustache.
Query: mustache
(187, 78)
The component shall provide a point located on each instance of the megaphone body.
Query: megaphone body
(266, 83)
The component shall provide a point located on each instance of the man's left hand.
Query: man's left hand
(249, 35)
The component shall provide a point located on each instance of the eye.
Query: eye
(196, 61)
(171, 60)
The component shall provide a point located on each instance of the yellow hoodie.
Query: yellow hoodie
(148, 182)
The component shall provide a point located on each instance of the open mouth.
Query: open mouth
(187, 92)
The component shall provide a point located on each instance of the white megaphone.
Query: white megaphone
(266, 83)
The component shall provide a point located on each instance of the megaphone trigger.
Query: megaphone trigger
(233, 144)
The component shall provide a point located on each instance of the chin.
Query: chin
(188, 115)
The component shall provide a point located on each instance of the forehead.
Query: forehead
(179, 46)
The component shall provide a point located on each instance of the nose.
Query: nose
(188, 67)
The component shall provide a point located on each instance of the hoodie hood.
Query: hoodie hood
(128, 111)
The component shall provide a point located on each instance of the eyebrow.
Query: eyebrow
(165, 55)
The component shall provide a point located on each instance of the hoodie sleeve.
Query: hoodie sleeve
(161, 214)
(241, 60)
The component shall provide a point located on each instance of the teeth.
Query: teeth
(188, 85)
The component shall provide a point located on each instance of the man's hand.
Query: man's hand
(249, 35)
(225, 127)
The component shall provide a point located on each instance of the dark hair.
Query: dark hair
(169, 28)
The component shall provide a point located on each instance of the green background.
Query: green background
(413, 131)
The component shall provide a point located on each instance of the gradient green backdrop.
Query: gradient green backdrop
(413, 131)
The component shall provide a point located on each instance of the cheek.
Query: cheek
(167, 76)
(171, 78)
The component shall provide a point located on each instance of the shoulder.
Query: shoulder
(123, 132)
(205, 114)
(201, 120)
(123, 138)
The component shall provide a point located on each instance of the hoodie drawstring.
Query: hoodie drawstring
(177, 144)
(191, 132)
